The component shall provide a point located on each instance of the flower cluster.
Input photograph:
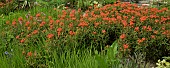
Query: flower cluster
(136, 28)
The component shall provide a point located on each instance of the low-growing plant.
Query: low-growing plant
(137, 29)
(163, 64)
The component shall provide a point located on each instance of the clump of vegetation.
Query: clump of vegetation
(107, 36)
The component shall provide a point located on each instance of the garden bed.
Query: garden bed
(107, 36)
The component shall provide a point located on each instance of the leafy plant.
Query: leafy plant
(109, 1)
(163, 64)
(23, 4)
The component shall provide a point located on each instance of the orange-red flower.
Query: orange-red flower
(83, 24)
(96, 24)
(123, 36)
(50, 36)
(22, 40)
(29, 54)
(17, 37)
(35, 32)
(164, 32)
(27, 23)
(51, 27)
(153, 36)
(57, 21)
(61, 24)
(20, 19)
(29, 35)
(119, 17)
(103, 31)
(125, 46)
(94, 32)
(14, 22)
(59, 29)
(38, 15)
(31, 17)
(155, 31)
(149, 28)
(163, 28)
(143, 39)
(42, 24)
(164, 9)
(144, 27)
(51, 22)
(143, 18)
(131, 23)
(139, 41)
(72, 33)
(58, 33)
(124, 23)
(70, 25)
(136, 28)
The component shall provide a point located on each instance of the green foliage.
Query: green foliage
(7, 8)
(23, 4)
(163, 64)
(50, 3)
(17, 5)
(85, 35)
(109, 1)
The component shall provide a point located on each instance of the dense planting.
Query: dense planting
(137, 29)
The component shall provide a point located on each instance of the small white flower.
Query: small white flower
(159, 60)
(99, 5)
(95, 2)
(158, 64)
(163, 61)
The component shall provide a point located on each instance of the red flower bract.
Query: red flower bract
(20, 19)
(59, 29)
(22, 40)
(72, 33)
(103, 31)
(29, 54)
(14, 22)
(35, 32)
(50, 36)
(17, 37)
(27, 23)
(123, 36)
(94, 32)
(125, 46)
(136, 28)
(38, 15)
(143, 18)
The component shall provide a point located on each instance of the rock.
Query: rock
(144, 2)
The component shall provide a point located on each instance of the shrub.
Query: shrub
(163, 64)
(17, 5)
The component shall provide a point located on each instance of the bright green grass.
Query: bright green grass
(66, 59)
